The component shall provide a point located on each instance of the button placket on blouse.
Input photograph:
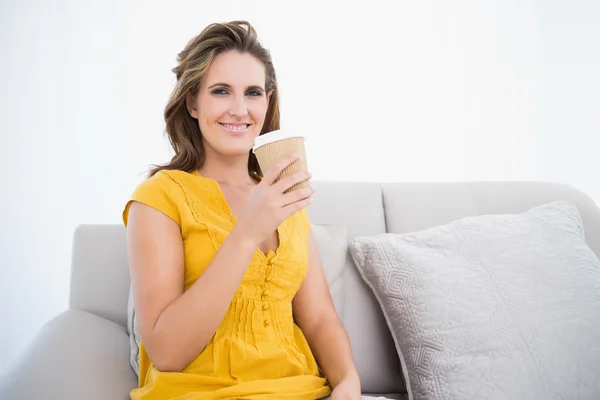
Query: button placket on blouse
(266, 292)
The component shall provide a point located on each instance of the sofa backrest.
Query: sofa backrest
(413, 206)
(100, 271)
(100, 275)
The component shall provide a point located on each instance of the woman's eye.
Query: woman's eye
(252, 93)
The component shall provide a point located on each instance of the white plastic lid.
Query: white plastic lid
(273, 136)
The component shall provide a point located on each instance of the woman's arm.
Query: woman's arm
(176, 326)
(316, 316)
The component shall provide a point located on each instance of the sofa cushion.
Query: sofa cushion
(493, 306)
(332, 244)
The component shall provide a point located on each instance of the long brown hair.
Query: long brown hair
(193, 63)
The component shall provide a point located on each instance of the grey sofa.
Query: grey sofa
(83, 353)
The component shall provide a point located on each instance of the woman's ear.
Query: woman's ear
(190, 103)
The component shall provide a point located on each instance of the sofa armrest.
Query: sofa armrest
(77, 355)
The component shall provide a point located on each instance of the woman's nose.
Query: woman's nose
(238, 107)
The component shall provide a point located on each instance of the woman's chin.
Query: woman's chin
(231, 148)
(237, 151)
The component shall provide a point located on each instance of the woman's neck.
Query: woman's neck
(230, 171)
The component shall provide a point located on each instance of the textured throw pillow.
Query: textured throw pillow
(491, 307)
(134, 335)
(332, 244)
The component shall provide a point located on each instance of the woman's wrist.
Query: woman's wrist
(352, 375)
(349, 376)
(242, 238)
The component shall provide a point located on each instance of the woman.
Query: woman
(230, 295)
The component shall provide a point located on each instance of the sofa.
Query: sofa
(84, 353)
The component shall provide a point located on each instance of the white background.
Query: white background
(415, 91)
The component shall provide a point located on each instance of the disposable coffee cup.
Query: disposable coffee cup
(272, 146)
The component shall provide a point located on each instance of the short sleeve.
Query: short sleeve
(157, 192)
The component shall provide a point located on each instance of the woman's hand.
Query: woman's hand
(268, 205)
(347, 389)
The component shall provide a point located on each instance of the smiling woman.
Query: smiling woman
(230, 295)
(224, 77)
(232, 96)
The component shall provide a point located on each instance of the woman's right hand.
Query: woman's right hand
(268, 205)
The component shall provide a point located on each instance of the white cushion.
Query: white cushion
(493, 306)
(332, 244)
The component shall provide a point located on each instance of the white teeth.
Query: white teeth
(236, 127)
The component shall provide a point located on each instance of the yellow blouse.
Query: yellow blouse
(258, 352)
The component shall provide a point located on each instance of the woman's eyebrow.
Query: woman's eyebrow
(253, 87)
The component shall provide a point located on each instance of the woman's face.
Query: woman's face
(231, 104)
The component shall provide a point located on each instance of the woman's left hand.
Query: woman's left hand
(347, 389)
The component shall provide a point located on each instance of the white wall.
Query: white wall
(568, 43)
(450, 84)
(63, 149)
(428, 90)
